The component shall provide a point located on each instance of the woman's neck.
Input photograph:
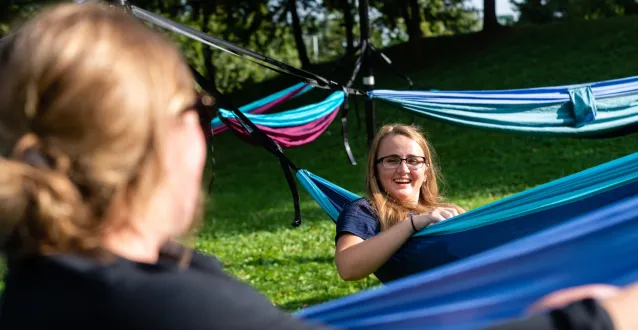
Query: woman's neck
(405, 203)
(133, 245)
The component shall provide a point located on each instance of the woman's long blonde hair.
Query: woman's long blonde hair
(389, 210)
(85, 92)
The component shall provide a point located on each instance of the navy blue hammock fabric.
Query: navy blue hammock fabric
(497, 223)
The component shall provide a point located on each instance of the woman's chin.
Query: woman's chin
(403, 198)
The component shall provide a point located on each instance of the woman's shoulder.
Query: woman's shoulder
(358, 218)
(126, 290)
(204, 298)
(165, 296)
(362, 203)
(361, 207)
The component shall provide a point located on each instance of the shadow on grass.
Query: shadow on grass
(296, 260)
(296, 305)
(275, 216)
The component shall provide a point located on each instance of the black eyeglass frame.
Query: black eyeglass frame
(423, 158)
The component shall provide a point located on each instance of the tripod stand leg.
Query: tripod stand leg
(388, 62)
(357, 65)
(355, 72)
(346, 58)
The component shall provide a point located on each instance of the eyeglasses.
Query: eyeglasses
(204, 106)
(393, 162)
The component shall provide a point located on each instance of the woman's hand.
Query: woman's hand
(567, 296)
(437, 215)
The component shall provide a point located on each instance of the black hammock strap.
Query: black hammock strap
(257, 135)
(208, 117)
(309, 77)
(344, 129)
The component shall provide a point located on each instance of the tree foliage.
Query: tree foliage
(321, 30)
(544, 11)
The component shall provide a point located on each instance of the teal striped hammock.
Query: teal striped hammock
(607, 108)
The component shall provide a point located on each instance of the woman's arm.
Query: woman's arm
(357, 258)
(587, 307)
(584, 314)
(621, 308)
(618, 303)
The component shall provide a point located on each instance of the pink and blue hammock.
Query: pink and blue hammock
(291, 128)
(264, 105)
(489, 264)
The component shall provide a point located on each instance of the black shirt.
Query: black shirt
(73, 292)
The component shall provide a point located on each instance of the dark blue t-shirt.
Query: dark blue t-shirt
(359, 218)
(414, 256)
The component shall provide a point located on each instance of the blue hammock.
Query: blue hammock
(499, 284)
(606, 108)
(503, 221)
(296, 127)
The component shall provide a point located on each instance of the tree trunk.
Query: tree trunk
(631, 7)
(348, 20)
(412, 17)
(298, 33)
(490, 23)
(170, 7)
(211, 71)
(415, 21)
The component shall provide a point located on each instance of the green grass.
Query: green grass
(248, 219)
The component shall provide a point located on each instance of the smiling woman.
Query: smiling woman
(403, 198)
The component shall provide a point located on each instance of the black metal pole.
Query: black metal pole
(368, 70)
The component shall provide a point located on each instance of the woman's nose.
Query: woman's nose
(403, 167)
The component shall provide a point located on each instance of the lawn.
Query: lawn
(249, 215)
